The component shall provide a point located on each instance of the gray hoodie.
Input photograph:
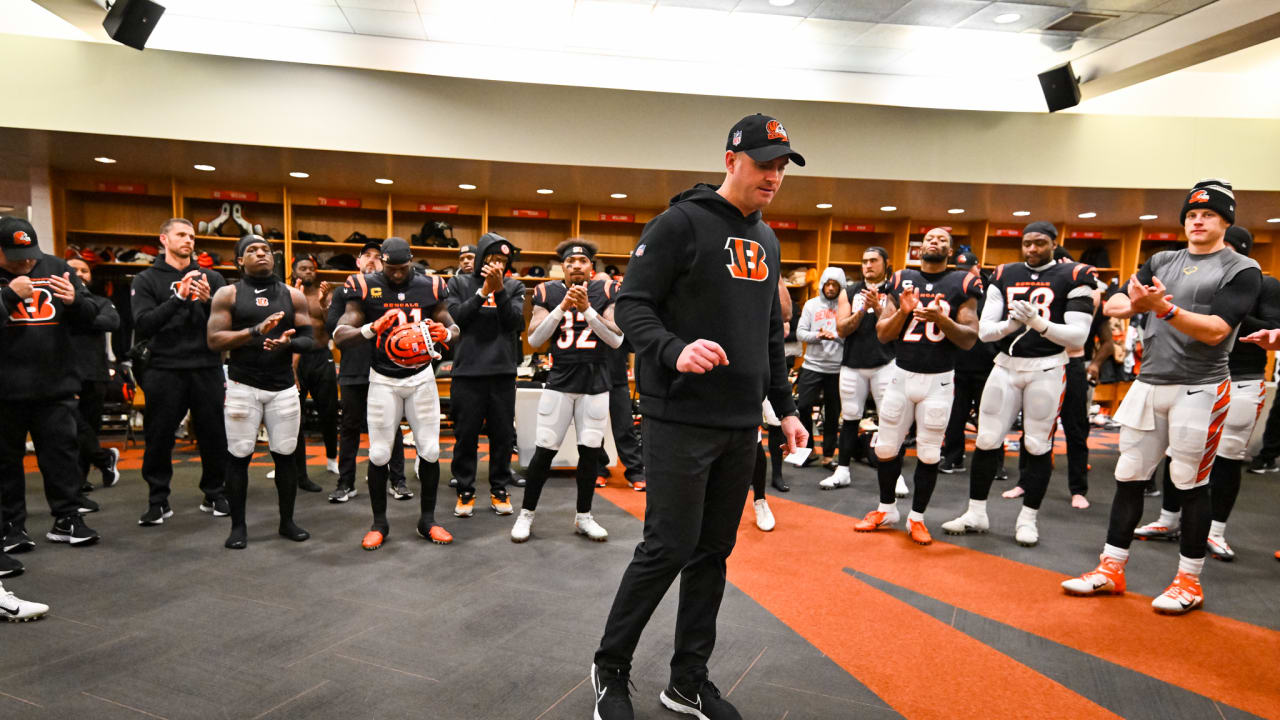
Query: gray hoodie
(822, 356)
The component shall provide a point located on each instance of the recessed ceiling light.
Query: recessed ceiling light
(545, 191)
(1277, 220)
(204, 168)
(1087, 215)
(466, 186)
(383, 181)
(105, 160)
(823, 206)
(618, 196)
(781, 3)
(1021, 213)
(1007, 18)
(297, 174)
(955, 211)
(888, 208)
(1148, 217)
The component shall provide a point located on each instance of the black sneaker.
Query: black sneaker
(156, 515)
(71, 529)
(342, 494)
(1002, 475)
(110, 473)
(87, 487)
(1261, 466)
(1151, 492)
(306, 484)
(16, 540)
(613, 697)
(219, 506)
(86, 506)
(951, 468)
(702, 701)
(399, 490)
(518, 480)
(9, 567)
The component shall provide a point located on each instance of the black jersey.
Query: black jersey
(416, 300)
(579, 359)
(250, 363)
(862, 349)
(1053, 291)
(923, 347)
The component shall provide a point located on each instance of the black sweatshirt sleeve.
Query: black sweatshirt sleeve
(510, 302)
(464, 306)
(651, 271)
(152, 307)
(1235, 298)
(8, 301)
(107, 318)
(1266, 312)
(779, 392)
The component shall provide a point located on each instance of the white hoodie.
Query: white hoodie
(820, 355)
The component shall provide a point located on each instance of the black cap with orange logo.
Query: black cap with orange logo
(18, 240)
(763, 138)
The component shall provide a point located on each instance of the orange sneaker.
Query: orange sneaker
(1107, 578)
(372, 540)
(466, 506)
(1183, 596)
(640, 485)
(918, 532)
(602, 481)
(436, 534)
(877, 519)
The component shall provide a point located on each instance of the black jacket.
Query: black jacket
(176, 327)
(90, 343)
(353, 366)
(1248, 361)
(35, 336)
(697, 274)
(489, 329)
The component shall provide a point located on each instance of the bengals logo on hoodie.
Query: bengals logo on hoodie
(746, 259)
(37, 309)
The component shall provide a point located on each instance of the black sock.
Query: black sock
(983, 472)
(378, 496)
(925, 480)
(1224, 487)
(237, 487)
(777, 439)
(887, 475)
(848, 434)
(535, 477)
(286, 487)
(429, 476)
(1197, 513)
(1126, 512)
(586, 477)
(1035, 481)
(758, 473)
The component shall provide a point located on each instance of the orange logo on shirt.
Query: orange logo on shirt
(746, 259)
(37, 308)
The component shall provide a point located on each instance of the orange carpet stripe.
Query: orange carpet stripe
(794, 572)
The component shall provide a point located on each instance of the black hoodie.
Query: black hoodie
(489, 325)
(696, 274)
(176, 327)
(36, 349)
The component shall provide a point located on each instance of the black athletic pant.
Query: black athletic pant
(968, 397)
(698, 479)
(317, 376)
(1075, 426)
(1224, 488)
(1270, 449)
(88, 424)
(624, 434)
(540, 466)
(169, 395)
(473, 400)
(355, 409)
(52, 424)
(809, 385)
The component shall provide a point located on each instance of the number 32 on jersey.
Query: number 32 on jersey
(569, 338)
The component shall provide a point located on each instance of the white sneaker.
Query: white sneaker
(838, 479)
(1155, 530)
(523, 527)
(1219, 548)
(271, 474)
(764, 516)
(331, 465)
(967, 523)
(1026, 533)
(901, 490)
(584, 524)
(13, 609)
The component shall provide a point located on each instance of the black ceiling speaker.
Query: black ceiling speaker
(130, 22)
(1061, 88)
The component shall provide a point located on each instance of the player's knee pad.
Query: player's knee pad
(241, 427)
(929, 431)
(892, 408)
(989, 435)
(594, 415)
(1241, 416)
(555, 411)
(1132, 465)
(282, 445)
(991, 424)
(283, 418)
(1037, 444)
(428, 451)
(380, 453)
(241, 447)
(1189, 472)
(853, 394)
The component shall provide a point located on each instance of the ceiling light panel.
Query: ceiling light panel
(873, 11)
(936, 13)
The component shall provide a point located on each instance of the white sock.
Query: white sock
(978, 507)
(913, 515)
(1217, 529)
(890, 508)
(1116, 553)
(1169, 519)
(1026, 516)
(579, 517)
(1189, 565)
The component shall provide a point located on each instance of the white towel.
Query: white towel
(1137, 410)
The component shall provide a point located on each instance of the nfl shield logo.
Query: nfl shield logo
(400, 296)
(929, 286)
(640, 251)
(737, 138)
(1035, 276)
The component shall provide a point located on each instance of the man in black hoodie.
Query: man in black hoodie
(700, 304)
(489, 308)
(171, 313)
(90, 357)
(40, 301)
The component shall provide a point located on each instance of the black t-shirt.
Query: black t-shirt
(416, 300)
(862, 349)
(579, 359)
(250, 363)
(1050, 291)
(923, 347)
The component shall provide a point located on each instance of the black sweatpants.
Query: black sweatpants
(355, 409)
(698, 479)
(968, 396)
(809, 385)
(317, 376)
(169, 395)
(472, 401)
(1075, 426)
(624, 435)
(52, 424)
(89, 424)
(1270, 449)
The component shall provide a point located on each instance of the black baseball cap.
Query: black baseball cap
(467, 249)
(18, 240)
(396, 251)
(371, 245)
(966, 260)
(763, 138)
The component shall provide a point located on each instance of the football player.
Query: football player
(1194, 299)
(927, 314)
(316, 373)
(404, 315)
(1034, 310)
(261, 322)
(576, 316)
